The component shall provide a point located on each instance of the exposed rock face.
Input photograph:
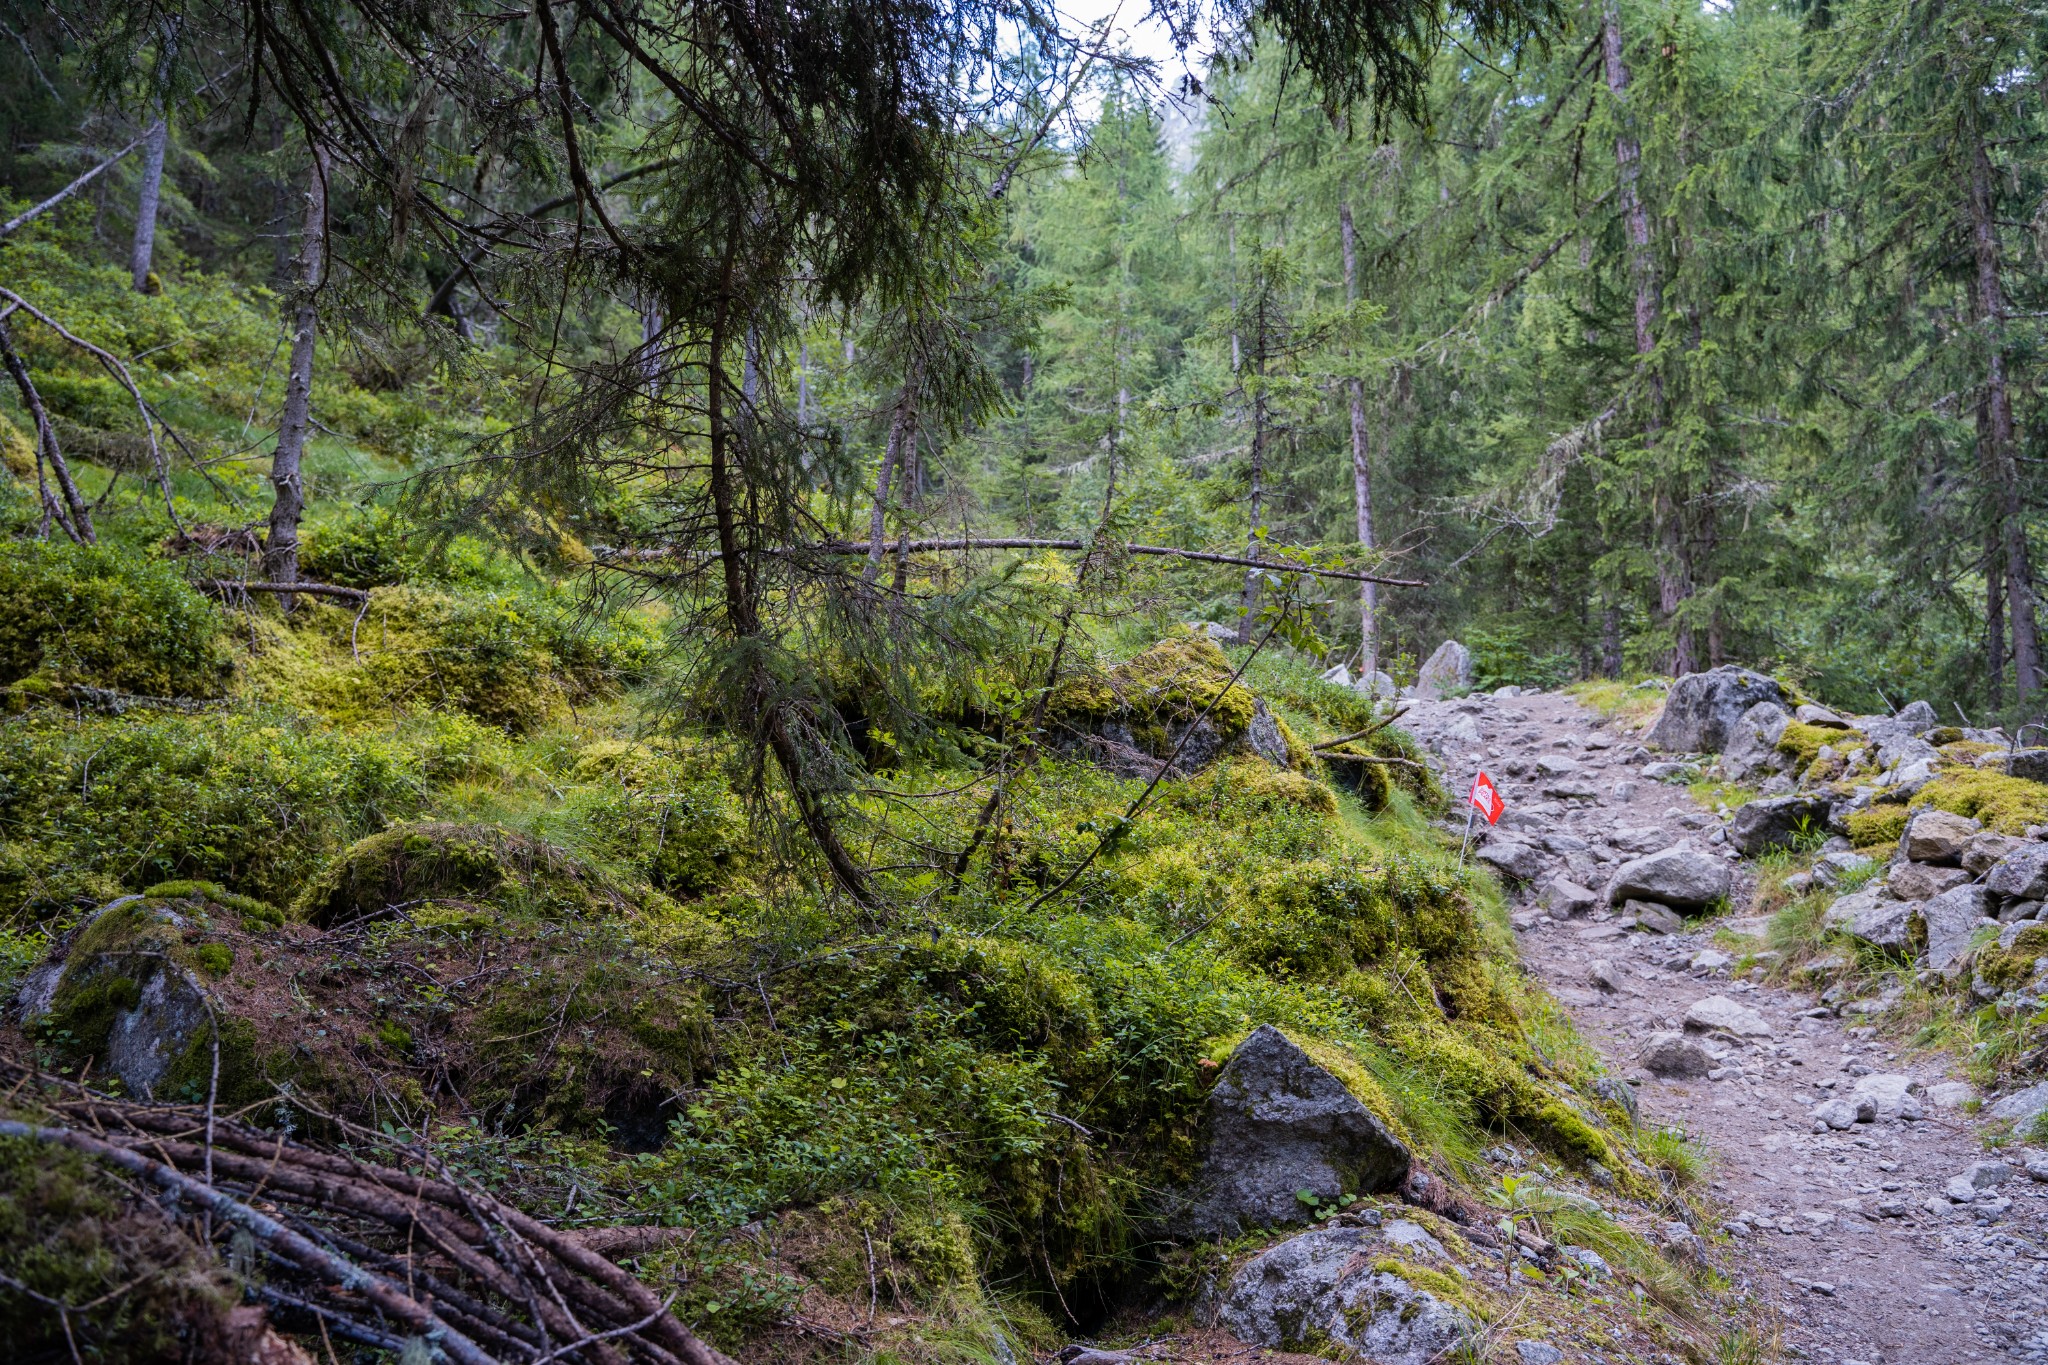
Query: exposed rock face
(1923, 881)
(1881, 922)
(122, 972)
(2023, 1109)
(1951, 918)
(1752, 746)
(1658, 919)
(1918, 716)
(1277, 1124)
(1321, 1287)
(1565, 898)
(1677, 876)
(1776, 822)
(1809, 714)
(1987, 849)
(1512, 858)
(1263, 734)
(1446, 671)
(1675, 1057)
(2021, 874)
(1936, 836)
(1891, 1096)
(2031, 764)
(1701, 711)
(1719, 1014)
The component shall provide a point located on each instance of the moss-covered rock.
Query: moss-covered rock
(409, 866)
(2002, 802)
(1173, 701)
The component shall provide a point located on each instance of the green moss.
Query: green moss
(1172, 682)
(2004, 803)
(106, 617)
(512, 660)
(1877, 825)
(69, 1232)
(1447, 1288)
(1802, 743)
(410, 865)
(213, 958)
(255, 914)
(251, 803)
(2009, 968)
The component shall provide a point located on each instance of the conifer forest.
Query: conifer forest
(961, 682)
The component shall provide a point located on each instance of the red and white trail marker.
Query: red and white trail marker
(1486, 798)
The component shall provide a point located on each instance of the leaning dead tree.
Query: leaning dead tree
(376, 1254)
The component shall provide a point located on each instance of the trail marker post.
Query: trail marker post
(1484, 799)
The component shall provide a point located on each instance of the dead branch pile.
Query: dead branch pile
(334, 1244)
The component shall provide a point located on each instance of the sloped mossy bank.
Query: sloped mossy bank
(969, 1116)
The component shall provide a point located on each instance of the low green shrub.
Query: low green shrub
(106, 617)
(256, 802)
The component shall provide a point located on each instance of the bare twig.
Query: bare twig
(29, 215)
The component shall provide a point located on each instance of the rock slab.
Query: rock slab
(1701, 709)
(1321, 1289)
(1676, 876)
(1446, 671)
(1777, 822)
(1279, 1123)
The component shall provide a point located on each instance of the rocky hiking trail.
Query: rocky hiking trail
(1860, 1205)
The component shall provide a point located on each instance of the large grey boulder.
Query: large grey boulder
(1883, 923)
(129, 954)
(1918, 716)
(1278, 1123)
(2031, 764)
(1675, 1057)
(1323, 1289)
(2021, 874)
(1951, 918)
(1512, 859)
(1777, 822)
(1677, 876)
(1751, 749)
(1446, 671)
(1719, 1014)
(1937, 836)
(1891, 1095)
(1843, 912)
(1923, 881)
(2025, 1110)
(1701, 710)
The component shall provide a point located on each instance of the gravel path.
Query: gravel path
(1849, 1234)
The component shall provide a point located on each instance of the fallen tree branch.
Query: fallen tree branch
(29, 215)
(227, 587)
(865, 547)
(1357, 735)
(73, 515)
(294, 1247)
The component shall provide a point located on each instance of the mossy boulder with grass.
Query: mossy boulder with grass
(1999, 801)
(443, 863)
(1174, 702)
(1282, 1133)
(130, 995)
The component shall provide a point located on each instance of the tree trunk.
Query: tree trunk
(281, 547)
(1610, 641)
(73, 516)
(1361, 463)
(1256, 502)
(2000, 437)
(744, 620)
(902, 425)
(147, 200)
(1994, 623)
(1673, 582)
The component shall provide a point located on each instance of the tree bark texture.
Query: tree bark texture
(148, 199)
(1674, 580)
(1361, 462)
(73, 515)
(1999, 436)
(281, 546)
